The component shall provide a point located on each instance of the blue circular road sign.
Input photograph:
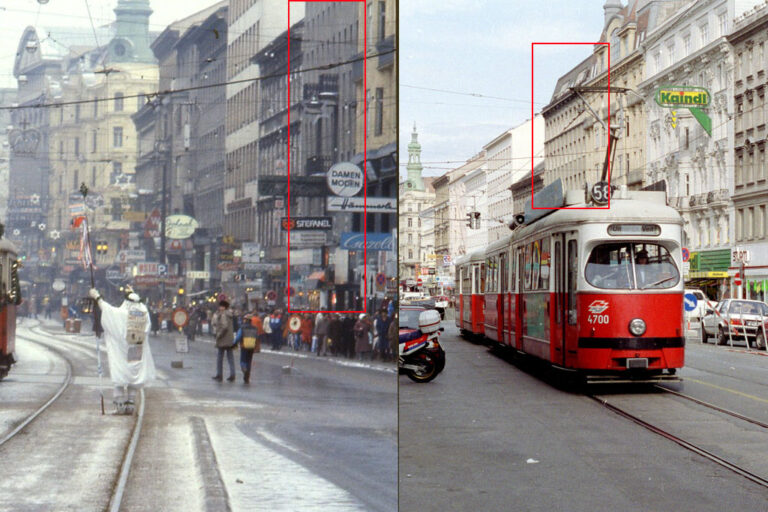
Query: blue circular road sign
(689, 301)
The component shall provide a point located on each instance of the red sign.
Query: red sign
(271, 295)
(152, 225)
(737, 279)
(418, 282)
(180, 317)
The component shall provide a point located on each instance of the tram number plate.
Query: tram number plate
(637, 362)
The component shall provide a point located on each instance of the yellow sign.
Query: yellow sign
(711, 274)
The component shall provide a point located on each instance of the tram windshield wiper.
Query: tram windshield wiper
(658, 282)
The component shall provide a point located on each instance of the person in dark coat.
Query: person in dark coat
(154, 321)
(334, 334)
(348, 336)
(381, 346)
(363, 337)
(276, 329)
(223, 330)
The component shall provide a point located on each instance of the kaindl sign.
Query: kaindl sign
(692, 98)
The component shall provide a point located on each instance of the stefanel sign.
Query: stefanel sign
(306, 223)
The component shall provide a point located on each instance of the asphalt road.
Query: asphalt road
(492, 434)
(307, 433)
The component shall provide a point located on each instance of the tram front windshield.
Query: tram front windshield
(629, 265)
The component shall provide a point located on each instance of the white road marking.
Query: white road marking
(269, 480)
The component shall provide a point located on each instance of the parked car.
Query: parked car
(747, 320)
(702, 304)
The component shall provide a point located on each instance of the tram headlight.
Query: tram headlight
(637, 326)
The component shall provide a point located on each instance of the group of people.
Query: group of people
(324, 334)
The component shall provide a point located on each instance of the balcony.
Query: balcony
(318, 164)
(717, 197)
(385, 48)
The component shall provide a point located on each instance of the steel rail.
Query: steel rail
(685, 444)
(64, 385)
(715, 407)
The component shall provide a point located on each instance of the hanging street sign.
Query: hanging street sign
(345, 179)
(692, 98)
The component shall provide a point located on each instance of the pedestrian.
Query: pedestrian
(334, 334)
(380, 340)
(223, 331)
(48, 308)
(320, 336)
(276, 329)
(348, 336)
(393, 335)
(363, 340)
(248, 339)
(307, 326)
(154, 320)
(126, 331)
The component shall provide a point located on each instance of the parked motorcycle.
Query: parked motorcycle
(421, 357)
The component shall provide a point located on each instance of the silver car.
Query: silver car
(746, 318)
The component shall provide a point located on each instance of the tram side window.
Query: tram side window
(513, 271)
(537, 262)
(466, 281)
(504, 273)
(528, 267)
(482, 278)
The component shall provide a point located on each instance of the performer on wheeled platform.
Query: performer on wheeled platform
(126, 333)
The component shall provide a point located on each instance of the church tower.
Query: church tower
(131, 41)
(414, 167)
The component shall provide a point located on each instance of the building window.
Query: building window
(670, 53)
(704, 34)
(657, 62)
(77, 112)
(410, 222)
(94, 141)
(722, 21)
(95, 108)
(382, 20)
(117, 170)
(379, 127)
(117, 137)
(118, 102)
(686, 45)
(410, 254)
(77, 146)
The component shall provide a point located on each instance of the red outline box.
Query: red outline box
(365, 153)
(609, 129)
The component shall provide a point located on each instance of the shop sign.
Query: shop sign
(198, 274)
(345, 179)
(692, 98)
(353, 241)
(180, 226)
(306, 223)
(359, 204)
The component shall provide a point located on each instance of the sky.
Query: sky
(481, 47)
(16, 15)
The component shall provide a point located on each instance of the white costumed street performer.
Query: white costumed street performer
(126, 333)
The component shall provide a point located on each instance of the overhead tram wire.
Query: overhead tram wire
(198, 87)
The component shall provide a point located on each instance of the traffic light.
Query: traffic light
(102, 247)
(181, 290)
(474, 220)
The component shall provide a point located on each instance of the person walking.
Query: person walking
(362, 330)
(393, 335)
(333, 343)
(248, 339)
(380, 340)
(127, 338)
(223, 331)
(321, 334)
(276, 329)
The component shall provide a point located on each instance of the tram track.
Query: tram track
(689, 445)
(119, 486)
(49, 401)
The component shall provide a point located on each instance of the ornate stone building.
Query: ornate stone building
(690, 49)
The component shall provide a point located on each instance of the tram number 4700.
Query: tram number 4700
(598, 319)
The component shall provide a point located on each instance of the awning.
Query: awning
(319, 275)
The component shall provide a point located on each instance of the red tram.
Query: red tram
(10, 297)
(598, 291)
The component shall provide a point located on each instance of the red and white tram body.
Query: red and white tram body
(10, 296)
(594, 290)
(470, 283)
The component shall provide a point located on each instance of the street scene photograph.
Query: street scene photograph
(198, 265)
(582, 255)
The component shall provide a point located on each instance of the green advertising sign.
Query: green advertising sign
(692, 98)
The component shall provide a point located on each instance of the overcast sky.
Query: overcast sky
(16, 15)
(481, 47)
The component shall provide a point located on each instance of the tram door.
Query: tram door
(570, 309)
(559, 320)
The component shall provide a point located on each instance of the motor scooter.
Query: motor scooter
(421, 357)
